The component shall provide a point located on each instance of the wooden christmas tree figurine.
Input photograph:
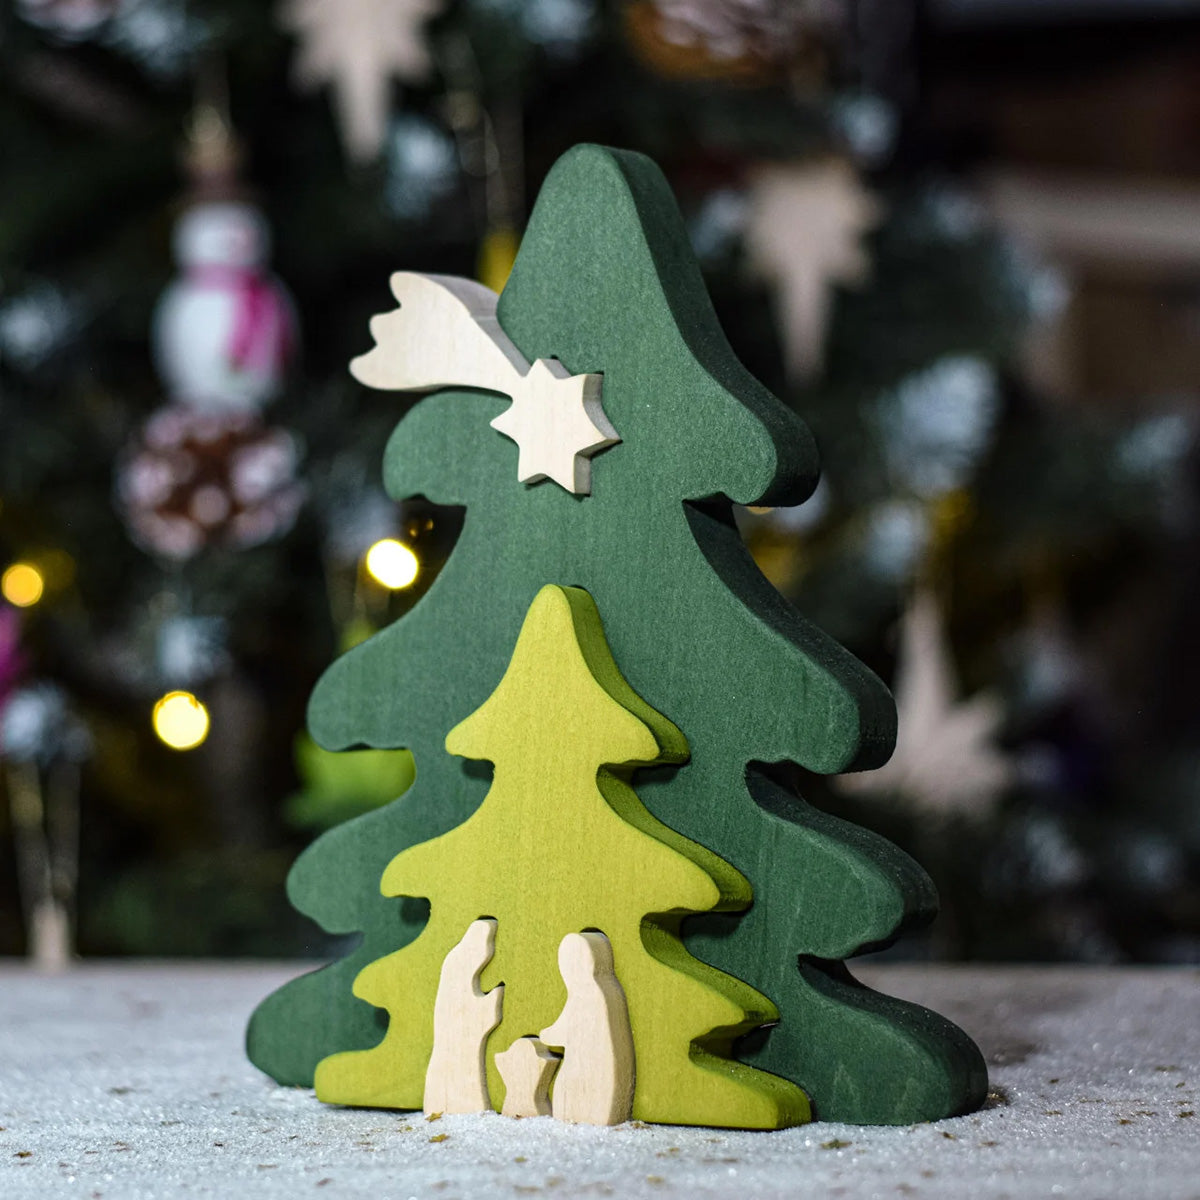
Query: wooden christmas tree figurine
(606, 286)
(562, 845)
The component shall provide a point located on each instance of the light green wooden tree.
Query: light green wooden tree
(562, 844)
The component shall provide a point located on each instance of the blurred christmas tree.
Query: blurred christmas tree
(163, 544)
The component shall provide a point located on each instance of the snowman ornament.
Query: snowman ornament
(225, 330)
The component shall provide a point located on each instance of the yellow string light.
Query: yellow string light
(392, 564)
(22, 584)
(181, 721)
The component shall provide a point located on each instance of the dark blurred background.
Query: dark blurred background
(960, 237)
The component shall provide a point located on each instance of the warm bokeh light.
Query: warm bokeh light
(22, 584)
(392, 564)
(181, 721)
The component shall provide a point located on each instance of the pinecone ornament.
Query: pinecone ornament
(748, 41)
(193, 480)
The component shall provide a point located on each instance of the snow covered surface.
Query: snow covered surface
(128, 1081)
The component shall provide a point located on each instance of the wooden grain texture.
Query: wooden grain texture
(463, 1016)
(606, 282)
(595, 1084)
(561, 845)
(445, 334)
(527, 1067)
(558, 423)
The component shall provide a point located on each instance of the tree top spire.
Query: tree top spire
(596, 715)
(606, 281)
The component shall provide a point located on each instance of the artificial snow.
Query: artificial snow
(120, 1082)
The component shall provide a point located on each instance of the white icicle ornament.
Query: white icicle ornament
(225, 330)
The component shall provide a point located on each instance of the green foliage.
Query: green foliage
(340, 786)
(200, 904)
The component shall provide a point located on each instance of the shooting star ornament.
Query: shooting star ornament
(445, 334)
(359, 47)
(804, 235)
(946, 761)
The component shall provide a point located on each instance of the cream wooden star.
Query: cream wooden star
(558, 424)
(445, 334)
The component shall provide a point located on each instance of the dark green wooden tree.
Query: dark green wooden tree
(606, 282)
